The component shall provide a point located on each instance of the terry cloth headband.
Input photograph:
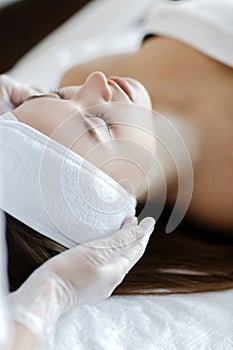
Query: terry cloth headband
(55, 191)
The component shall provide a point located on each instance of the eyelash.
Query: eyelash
(99, 114)
(102, 116)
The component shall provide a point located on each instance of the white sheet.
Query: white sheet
(188, 322)
(116, 30)
(191, 322)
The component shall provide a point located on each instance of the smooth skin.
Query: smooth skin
(192, 87)
(112, 142)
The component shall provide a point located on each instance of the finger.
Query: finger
(132, 253)
(126, 236)
(125, 261)
(13, 92)
(119, 239)
(20, 93)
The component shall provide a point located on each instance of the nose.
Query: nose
(96, 86)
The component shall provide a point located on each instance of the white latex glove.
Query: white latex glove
(13, 93)
(78, 276)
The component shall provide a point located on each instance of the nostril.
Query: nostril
(98, 82)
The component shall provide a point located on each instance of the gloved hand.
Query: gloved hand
(78, 276)
(13, 93)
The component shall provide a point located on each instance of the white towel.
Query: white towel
(54, 190)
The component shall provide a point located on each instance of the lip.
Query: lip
(124, 85)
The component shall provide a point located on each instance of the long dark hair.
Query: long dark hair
(186, 261)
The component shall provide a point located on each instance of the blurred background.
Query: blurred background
(23, 23)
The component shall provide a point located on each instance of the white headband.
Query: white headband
(55, 191)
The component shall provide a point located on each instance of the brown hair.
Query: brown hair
(186, 261)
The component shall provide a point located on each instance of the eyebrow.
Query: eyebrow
(91, 131)
(42, 95)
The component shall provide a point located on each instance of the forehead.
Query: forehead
(45, 114)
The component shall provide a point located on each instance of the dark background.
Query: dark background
(25, 23)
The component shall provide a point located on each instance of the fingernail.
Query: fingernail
(130, 220)
(148, 224)
(151, 224)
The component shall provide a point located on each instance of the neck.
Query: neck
(187, 90)
(178, 77)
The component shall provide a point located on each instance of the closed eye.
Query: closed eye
(101, 115)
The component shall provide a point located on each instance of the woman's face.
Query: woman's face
(107, 121)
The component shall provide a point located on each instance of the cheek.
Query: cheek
(127, 173)
(73, 134)
(122, 169)
(84, 146)
(54, 119)
(136, 135)
(130, 157)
